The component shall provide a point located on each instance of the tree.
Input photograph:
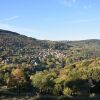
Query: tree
(43, 81)
(67, 91)
(57, 90)
(17, 79)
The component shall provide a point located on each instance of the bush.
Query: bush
(67, 91)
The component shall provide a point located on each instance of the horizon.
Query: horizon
(54, 20)
(47, 39)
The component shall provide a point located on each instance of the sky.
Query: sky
(52, 19)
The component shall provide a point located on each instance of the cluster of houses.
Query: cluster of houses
(34, 56)
(41, 54)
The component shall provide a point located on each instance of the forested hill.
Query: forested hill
(13, 39)
(84, 43)
(8, 38)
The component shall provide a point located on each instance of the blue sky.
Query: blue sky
(52, 19)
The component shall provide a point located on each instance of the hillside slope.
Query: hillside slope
(13, 39)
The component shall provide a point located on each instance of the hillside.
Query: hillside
(13, 39)
(8, 38)
(94, 43)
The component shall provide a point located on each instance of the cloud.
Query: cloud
(87, 6)
(68, 3)
(84, 20)
(78, 3)
(22, 30)
(9, 18)
(30, 32)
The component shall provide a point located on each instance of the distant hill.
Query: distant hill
(81, 43)
(9, 38)
(13, 39)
